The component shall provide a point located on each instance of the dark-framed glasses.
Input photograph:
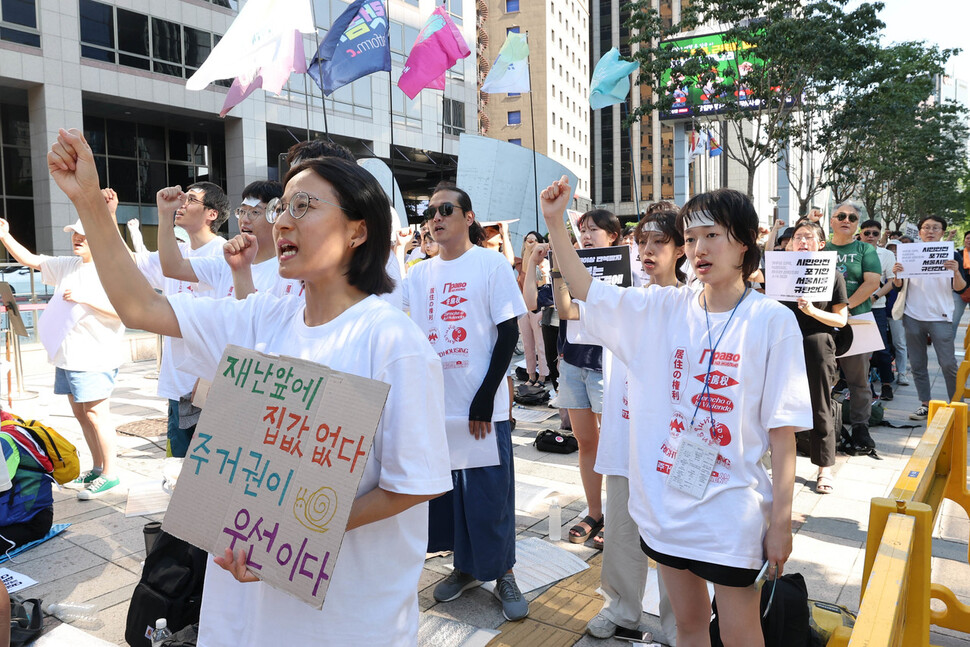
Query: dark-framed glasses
(191, 198)
(445, 209)
(872, 232)
(842, 216)
(297, 207)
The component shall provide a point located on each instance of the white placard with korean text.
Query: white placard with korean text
(924, 259)
(790, 276)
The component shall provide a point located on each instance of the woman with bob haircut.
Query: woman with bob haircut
(332, 231)
(724, 386)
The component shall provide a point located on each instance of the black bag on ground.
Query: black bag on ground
(170, 588)
(787, 624)
(26, 621)
(557, 442)
(527, 395)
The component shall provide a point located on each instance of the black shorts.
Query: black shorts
(716, 573)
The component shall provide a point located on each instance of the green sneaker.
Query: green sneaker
(97, 487)
(83, 480)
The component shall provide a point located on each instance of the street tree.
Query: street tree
(781, 55)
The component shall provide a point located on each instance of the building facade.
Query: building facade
(117, 69)
(553, 119)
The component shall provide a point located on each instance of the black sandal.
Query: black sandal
(579, 535)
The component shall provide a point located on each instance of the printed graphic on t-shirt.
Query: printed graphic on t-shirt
(679, 367)
(704, 425)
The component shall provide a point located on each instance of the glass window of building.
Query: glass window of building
(454, 117)
(129, 38)
(18, 22)
(16, 179)
(517, 141)
(514, 117)
(511, 6)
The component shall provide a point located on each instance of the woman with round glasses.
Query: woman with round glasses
(817, 321)
(332, 230)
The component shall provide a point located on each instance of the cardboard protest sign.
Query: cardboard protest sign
(924, 259)
(608, 264)
(790, 276)
(911, 231)
(274, 467)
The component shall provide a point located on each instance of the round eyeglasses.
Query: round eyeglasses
(297, 207)
(249, 214)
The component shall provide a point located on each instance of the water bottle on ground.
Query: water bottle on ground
(75, 613)
(161, 633)
(555, 521)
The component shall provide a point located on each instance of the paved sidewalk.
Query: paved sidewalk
(99, 558)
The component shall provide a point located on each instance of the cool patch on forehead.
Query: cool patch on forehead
(251, 202)
(699, 219)
(651, 227)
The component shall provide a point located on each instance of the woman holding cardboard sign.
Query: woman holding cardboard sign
(332, 230)
(723, 386)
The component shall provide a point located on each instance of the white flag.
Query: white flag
(510, 72)
(255, 41)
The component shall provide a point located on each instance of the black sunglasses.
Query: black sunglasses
(445, 209)
(873, 232)
(841, 217)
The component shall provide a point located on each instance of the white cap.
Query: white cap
(161, 623)
(76, 227)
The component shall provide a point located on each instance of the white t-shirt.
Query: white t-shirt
(373, 594)
(214, 274)
(458, 304)
(758, 383)
(89, 340)
(173, 384)
(886, 259)
(930, 298)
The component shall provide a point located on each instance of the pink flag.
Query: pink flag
(438, 47)
(272, 76)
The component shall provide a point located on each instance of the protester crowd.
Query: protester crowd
(676, 409)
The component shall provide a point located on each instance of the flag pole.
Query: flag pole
(390, 106)
(323, 98)
(306, 103)
(532, 120)
(443, 125)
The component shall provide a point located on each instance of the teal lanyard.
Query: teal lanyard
(706, 391)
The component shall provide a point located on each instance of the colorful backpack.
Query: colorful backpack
(52, 451)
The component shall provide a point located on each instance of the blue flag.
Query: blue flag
(611, 80)
(355, 46)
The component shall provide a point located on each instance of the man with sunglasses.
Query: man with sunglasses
(860, 267)
(200, 211)
(882, 360)
(467, 302)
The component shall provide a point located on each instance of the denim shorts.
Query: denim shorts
(579, 388)
(85, 386)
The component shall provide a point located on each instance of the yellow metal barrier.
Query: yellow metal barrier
(963, 372)
(883, 611)
(937, 470)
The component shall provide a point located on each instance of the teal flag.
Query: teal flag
(611, 80)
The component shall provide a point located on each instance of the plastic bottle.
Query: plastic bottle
(555, 521)
(161, 633)
(75, 613)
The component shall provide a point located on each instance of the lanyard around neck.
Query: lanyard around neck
(706, 391)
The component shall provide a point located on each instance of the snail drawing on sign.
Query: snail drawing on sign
(316, 510)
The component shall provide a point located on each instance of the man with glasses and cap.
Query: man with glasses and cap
(927, 308)
(860, 267)
(200, 211)
(882, 360)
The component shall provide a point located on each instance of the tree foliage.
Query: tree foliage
(795, 54)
